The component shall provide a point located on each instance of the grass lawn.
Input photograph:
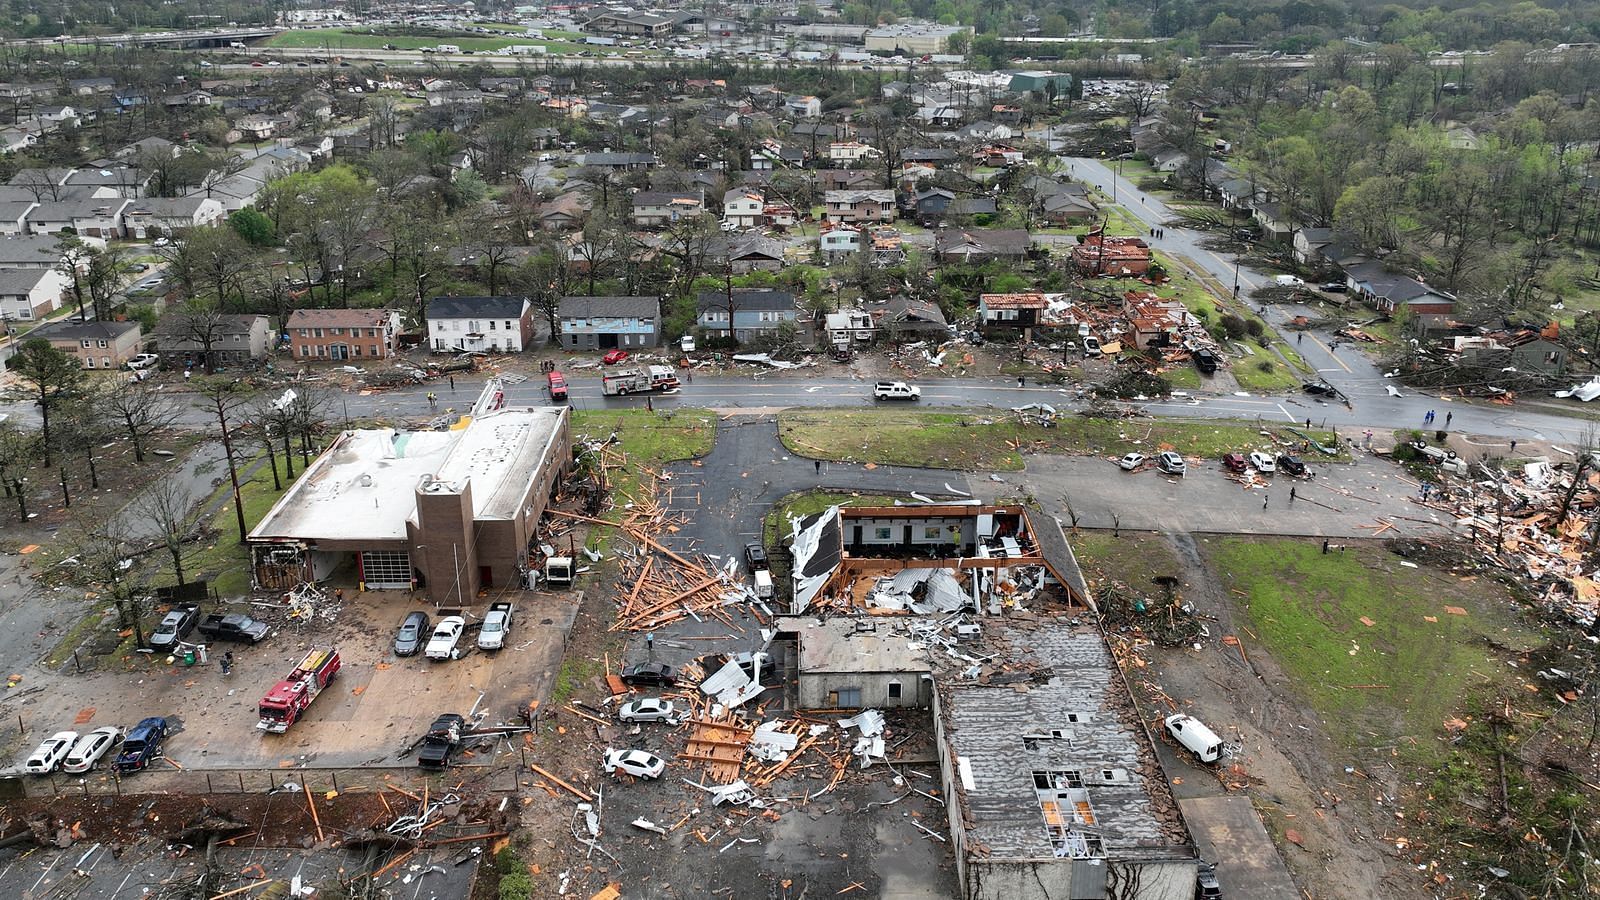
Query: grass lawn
(225, 562)
(990, 441)
(648, 438)
(1400, 677)
(1118, 220)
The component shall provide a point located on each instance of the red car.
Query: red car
(1234, 462)
(613, 357)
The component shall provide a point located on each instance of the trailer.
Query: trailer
(639, 381)
(290, 698)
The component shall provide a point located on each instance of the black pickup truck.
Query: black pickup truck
(441, 741)
(234, 627)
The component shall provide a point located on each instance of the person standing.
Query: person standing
(227, 662)
(1291, 494)
(1265, 499)
(1447, 417)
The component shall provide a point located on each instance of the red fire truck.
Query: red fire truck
(289, 698)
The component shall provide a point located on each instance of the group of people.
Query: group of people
(1431, 416)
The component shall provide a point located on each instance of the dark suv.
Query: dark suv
(142, 744)
(756, 556)
(1291, 464)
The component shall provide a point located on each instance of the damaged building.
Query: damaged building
(971, 612)
(446, 512)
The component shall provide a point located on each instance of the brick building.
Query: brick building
(337, 335)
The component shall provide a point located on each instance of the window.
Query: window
(88, 362)
(508, 324)
(374, 348)
(492, 324)
(237, 338)
(303, 333)
(317, 332)
(883, 533)
(438, 343)
(86, 344)
(849, 698)
(105, 362)
(305, 350)
(336, 331)
(372, 332)
(101, 344)
(24, 313)
(322, 349)
(355, 350)
(932, 532)
(894, 690)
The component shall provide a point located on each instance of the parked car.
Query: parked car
(1235, 462)
(756, 556)
(1131, 461)
(1291, 464)
(174, 627)
(1335, 287)
(1195, 736)
(635, 762)
(613, 357)
(442, 643)
(142, 744)
(144, 361)
(1288, 281)
(496, 625)
(1262, 462)
(50, 753)
(1170, 463)
(89, 748)
(1205, 361)
(1206, 885)
(234, 627)
(409, 639)
(1091, 346)
(650, 709)
(895, 390)
(649, 675)
(441, 741)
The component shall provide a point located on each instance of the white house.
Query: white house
(159, 216)
(29, 294)
(848, 153)
(839, 242)
(742, 208)
(492, 324)
(806, 107)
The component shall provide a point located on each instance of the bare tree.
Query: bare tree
(198, 324)
(223, 398)
(103, 553)
(140, 411)
(165, 507)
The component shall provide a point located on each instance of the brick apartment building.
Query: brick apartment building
(336, 335)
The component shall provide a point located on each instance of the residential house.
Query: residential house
(938, 116)
(912, 174)
(778, 214)
(1389, 292)
(491, 324)
(838, 242)
(1068, 208)
(568, 107)
(886, 246)
(16, 139)
(55, 115)
(1006, 114)
(90, 217)
(848, 154)
(618, 162)
(1098, 254)
(94, 344)
(607, 323)
(985, 132)
(256, 127)
(773, 155)
(934, 206)
(803, 107)
(1011, 311)
(84, 87)
(1275, 222)
(980, 245)
(998, 156)
(188, 99)
(847, 179)
(341, 335)
(159, 216)
(847, 328)
(29, 294)
(233, 341)
(745, 253)
(30, 251)
(653, 209)
(902, 319)
(14, 216)
(564, 212)
(743, 208)
(744, 314)
(1153, 321)
(932, 156)
(1524, 350)
(859, 205)
(110, 181)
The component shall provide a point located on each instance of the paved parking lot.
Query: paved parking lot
(375, 707)
(1343, 500)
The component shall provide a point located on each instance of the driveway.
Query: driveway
(1344, 500)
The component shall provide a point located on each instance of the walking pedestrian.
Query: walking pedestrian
(1447, 417)
(818, 464)
(1020, 381)
(227, 662)
(1265, 499)
(1291, 494)
(1308, 423)
(1300, 338)
(1513, 446)
(433, 401)
(689, 373)
(648, 406)
(452, 384)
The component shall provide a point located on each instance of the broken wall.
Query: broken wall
(1077, 879)
(816, 690)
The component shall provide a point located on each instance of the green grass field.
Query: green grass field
(989, 441)
(1400, 677)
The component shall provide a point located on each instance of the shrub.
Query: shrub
(1233, 326)
(1255, 327)
(515, 883)
(1266, 366)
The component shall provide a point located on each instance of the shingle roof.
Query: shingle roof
(337, 318)
(505, 307)
(76, 330)
(757, 300)
(622, 307)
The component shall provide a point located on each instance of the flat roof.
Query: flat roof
(839, 645)
(1057, 707)
(364, 487)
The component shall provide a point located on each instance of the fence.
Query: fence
(501, 778)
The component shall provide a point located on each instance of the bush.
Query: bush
(1233, 326)
(515, 883)
(1266, 366)
(1255, 327)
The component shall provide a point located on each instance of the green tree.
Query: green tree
(55, 379)
(252, 225)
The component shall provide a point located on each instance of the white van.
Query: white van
(1194, 735)
(763, 584)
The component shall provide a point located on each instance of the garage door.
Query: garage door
(386, 570)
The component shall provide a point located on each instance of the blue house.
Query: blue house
(609, 323)
(745, 314)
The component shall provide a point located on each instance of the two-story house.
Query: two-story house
(653, 209)
(743, 207)
(493, 324)
(338, 335)
(803, 107)
(860, 205)
(158, 216)
(744, 314)
(29, 294)
(232, 340)
(94, 344)
(837, 242)
(609, 323)
(848, 154)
